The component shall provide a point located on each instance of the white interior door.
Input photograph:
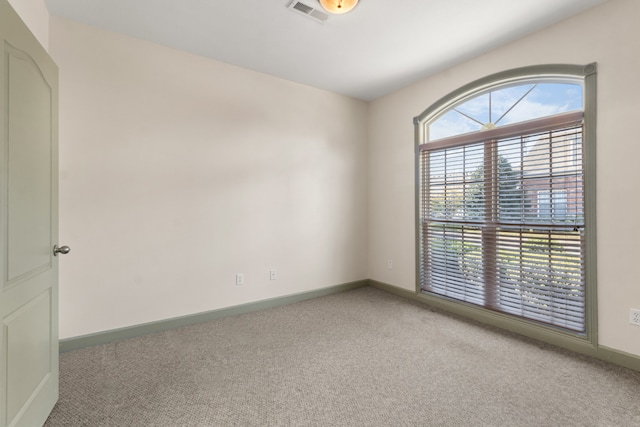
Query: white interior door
(28, 226)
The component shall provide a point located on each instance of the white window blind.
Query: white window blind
(502, 220)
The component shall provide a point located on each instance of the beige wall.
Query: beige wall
(608, 35)
(35, 14)
(177, 172)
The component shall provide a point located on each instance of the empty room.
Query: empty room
(319, 213)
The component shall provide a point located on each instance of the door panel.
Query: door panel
(29, 171)
(28, 352)
(28, 226)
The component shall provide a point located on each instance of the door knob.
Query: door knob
(61, 250)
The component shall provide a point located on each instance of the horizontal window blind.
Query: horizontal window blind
(502, 220)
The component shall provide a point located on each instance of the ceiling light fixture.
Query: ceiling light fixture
(338, 7)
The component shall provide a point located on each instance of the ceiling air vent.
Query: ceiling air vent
(309, 11)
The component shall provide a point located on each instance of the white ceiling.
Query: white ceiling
(381, 46)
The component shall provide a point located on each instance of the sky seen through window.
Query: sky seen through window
(505, 106)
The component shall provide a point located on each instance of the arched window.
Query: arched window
(505, 196)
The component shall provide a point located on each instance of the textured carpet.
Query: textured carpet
(358, 358)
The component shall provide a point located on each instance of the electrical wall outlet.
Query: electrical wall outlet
(239, 279)
(390, 264)
(273, 274)
(634, 316)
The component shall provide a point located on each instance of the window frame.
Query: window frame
(560, 72)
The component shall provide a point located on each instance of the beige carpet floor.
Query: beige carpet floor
(358, 358)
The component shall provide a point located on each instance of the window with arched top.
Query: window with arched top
(506, 197)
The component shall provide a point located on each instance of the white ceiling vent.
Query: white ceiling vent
(309, 11)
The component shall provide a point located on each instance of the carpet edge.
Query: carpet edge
(604, 353)
(105, 337)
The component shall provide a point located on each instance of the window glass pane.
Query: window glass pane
(544, 204)
(507, 105)
(457, 183)
(541, 276)
(454, 262)
(504, 226)
(546, 99)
